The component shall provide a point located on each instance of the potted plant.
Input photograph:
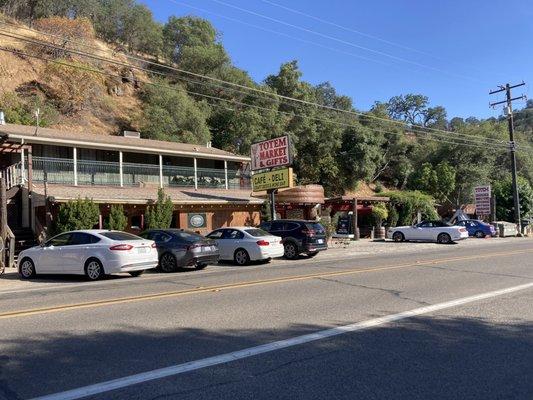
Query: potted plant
(379, 213)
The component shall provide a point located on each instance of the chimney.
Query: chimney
(2, 118)
(131, 134)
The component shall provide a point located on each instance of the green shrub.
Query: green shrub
(409, 203)
(159, 216)
(117, 219)
(77, 214)
(379, 213)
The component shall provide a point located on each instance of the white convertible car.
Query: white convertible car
(428, 231)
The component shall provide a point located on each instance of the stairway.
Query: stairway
(24, 239)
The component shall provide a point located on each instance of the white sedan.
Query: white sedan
(428, 231)
(245, 244)
(93, 253)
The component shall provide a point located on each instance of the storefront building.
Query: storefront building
(44, 167)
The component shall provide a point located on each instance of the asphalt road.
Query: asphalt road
(446, 324)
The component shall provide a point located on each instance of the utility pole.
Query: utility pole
(512, 144)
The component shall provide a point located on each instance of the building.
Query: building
(43, 168)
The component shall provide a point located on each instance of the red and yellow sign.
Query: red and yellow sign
(271, 153)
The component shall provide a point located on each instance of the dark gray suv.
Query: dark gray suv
(299, 237)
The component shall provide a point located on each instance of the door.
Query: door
(218, 236)
(422, 231)
(51, 254)
(233, 239)
(81, 246)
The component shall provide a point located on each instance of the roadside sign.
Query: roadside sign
(482, 196)
(271, 153)
(277, 179)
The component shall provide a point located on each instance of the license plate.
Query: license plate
(320, 241)
(142, 249)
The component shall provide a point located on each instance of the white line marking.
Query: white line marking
(119, 383)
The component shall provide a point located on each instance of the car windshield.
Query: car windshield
(315, 226)
(116, 235)
(188, 236)
(257, 232)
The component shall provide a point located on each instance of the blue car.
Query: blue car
(477, 228)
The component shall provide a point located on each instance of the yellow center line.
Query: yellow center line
(217, 288)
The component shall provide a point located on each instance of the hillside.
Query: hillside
(68, 98)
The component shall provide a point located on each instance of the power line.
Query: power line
(342, 41)
(358, 32)
(480, 145)
(447, 134)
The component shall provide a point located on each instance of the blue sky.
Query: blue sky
(458, 49)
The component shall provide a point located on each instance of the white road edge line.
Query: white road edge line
(119, 383)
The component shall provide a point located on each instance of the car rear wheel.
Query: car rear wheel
(444, 238)
(241, 257)
(479, 234)
(398, 237)
(27, 269)
(94, 269)
(291, 250)
(168, 263)
(136, 273)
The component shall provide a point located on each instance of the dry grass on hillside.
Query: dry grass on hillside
(87, 101)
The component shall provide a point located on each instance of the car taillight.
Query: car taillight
(194, 246)
(462, 230)
(154, 245)
(121, 247)
(263, 243)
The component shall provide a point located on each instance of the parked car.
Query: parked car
(428, 231)
(93, 253)
(179, 248)
(477, 228)
(299, 237)
(245, 244)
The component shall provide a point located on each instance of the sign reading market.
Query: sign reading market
(276, 179)
(271, 153)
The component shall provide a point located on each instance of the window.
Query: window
(290, 226)
(426, 224)
(79, 238)
(189, 236)
(59, 240)
(267, 226)
(116, 235)
(257, 232)
(277, 226)
(233, 234)
(160, 237)
(315, 226)
(216, 234)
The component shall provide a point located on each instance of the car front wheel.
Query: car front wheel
(479, 234)
(398, 237)
(27, 269)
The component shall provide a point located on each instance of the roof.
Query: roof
(29, 134)
(144, 195)
(359, 198)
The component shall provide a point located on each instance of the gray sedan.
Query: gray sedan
(179, 248)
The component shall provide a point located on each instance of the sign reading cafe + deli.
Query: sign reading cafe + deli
(271, 153)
